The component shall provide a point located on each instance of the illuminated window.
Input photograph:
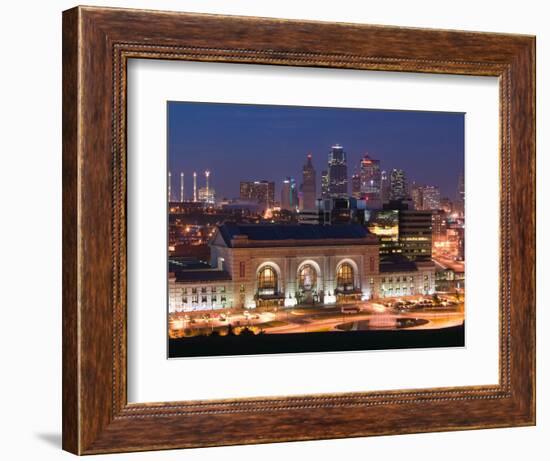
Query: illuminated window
(267, 281)
(308, 278)
(344, 277)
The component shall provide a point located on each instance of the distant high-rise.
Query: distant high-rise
(262, 192)
(182, 189)
(371, 182)
(169, 186)
(195, 199)
(398, 185)
(337, 172)
(425, 197)
(308, 188)
(430, 198)
(416, 195)
(356, 186)
(460, 195)
(289, 195)
(385, 186)
(324, 184)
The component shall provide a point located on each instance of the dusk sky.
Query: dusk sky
(254, 142)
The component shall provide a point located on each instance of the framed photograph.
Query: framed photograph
(282, 230)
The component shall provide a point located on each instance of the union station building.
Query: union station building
(255, 265)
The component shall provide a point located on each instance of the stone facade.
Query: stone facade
(251, 273)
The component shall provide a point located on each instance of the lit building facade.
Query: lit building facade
(289, 265)
(398, 185)
(289, 195)
(425, 197)
(385, 225)
(261, 192)
(415, 234)
(356, 186)
(371, 182)
(385, 187)
(207, 195)
(324, 184)
(308, 188)
(337, 172)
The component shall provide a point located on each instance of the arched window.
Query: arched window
(344, 277)
(307, 278)
(267, 281)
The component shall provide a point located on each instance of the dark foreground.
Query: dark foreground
(201, 346)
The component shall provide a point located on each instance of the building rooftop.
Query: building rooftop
(281, 233)
(202, 275)
(397, 264)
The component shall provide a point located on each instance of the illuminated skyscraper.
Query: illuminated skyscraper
(324, 184)
(416, 195)
(356, 186)
(195, 186)
(398, 185)
(337, 172)
(182, 190)
(430, 198)
(308, 188)
(289, 195)
(425, 197)
(371, 182)
(384, 186)
(169, 186)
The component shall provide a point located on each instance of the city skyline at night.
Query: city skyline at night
(301, 229)
(253, 142)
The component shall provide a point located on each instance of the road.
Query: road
(321, 319)
(377, 321)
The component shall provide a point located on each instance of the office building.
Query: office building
(309, 187)
(289, 195)
(337, 172)
(356, 186)
(398, 185)
(371, 182)
(324, 184)
(261, 192)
